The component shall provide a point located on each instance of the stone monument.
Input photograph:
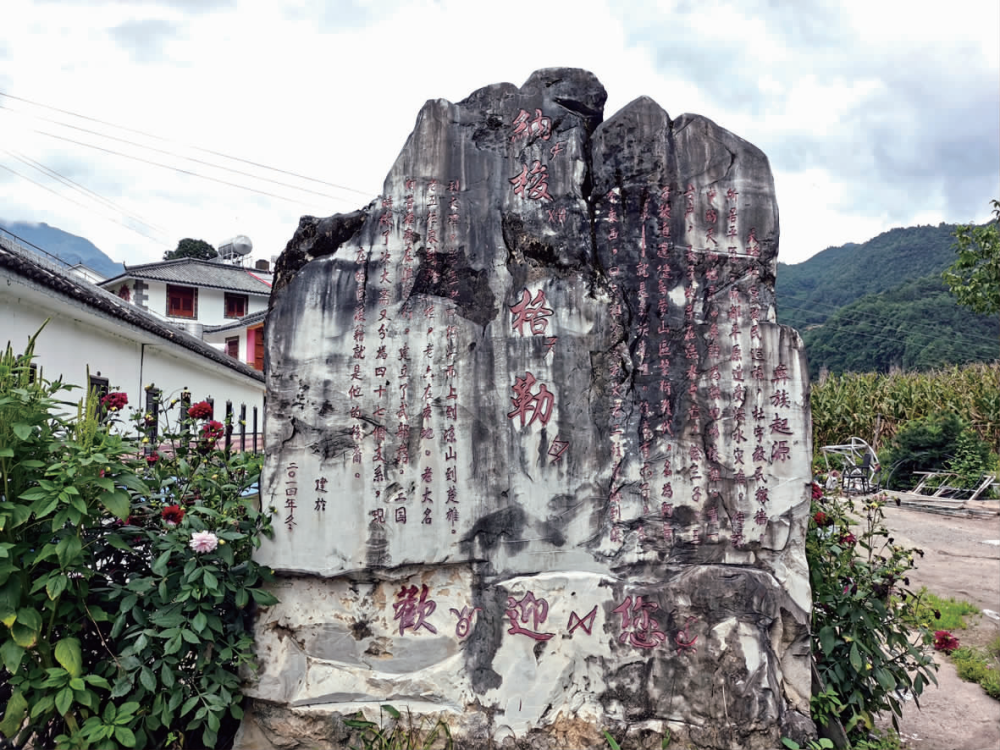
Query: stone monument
(538, 451)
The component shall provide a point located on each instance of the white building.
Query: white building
(216, 300)
(125, 346)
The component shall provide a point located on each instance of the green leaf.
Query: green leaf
(11, 653)
(56, 585)
(167, 676)
(97, 681)
(190, 637)
(611, 741)
(856, 661)
(210, 581)
(77, 683)
(29, 618)
(68, 550)
(125, 736)
(173, 645)
(13, 714)
(117, 503)
(64, 699)
(263, 598)
(391, 710)
(160, 565)
(125, 712)
(199, 622)
(68, 655)
(828, 639)
(189, 704)
(22, 430)
(147, 679)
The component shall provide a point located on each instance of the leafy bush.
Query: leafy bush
(868, 642)
(125, 574)
(925, 444)
(974, 665)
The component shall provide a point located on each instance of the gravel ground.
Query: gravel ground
(958, 562)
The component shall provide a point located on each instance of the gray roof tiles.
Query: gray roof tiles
(193, 272)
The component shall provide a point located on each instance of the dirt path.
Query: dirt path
(958, 563)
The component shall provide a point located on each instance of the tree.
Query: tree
(974, 278)
(189, 248)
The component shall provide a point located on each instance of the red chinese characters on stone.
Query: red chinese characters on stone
(531, 312)
(638, 627)
(531, 129)
(464, 624)
(412, 610)
(684, 640)
(520, 611)
(532, 184)
(539, 404)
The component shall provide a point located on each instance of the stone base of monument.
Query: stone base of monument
(538, 450)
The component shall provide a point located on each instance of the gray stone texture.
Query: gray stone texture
(538, 450)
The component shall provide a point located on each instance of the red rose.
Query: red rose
(172, 515)
(846, 539)
(114, 401)
(212, 431)
(822, 519)
(945, 641)
(201, 410)
(817, 491)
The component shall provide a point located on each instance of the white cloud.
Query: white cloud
(331, 90)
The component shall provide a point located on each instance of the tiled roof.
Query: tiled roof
(193, 272)
(246, 320)
(43, 272)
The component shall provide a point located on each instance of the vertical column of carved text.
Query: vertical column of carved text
(643, 354)
(357, 381)
(713, 360)
(692, 363)
(380, 361)
(427, 317)
(619, 378)
(291, 493)
(665, 412)
(451, 348)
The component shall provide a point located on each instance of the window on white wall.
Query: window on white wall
(236, 305)
(182, 301)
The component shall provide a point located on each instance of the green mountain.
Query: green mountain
(810, 292)
(882, 305)
(65, 246)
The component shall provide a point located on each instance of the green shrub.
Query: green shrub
(925, 444)
(121, 629)
(868, 642)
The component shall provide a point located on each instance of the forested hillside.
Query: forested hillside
(917, 326)
(880, 305)
(812, 291)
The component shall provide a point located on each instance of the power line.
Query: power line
(86, 191)
(187, 145)
(173, 154)
(86, 208)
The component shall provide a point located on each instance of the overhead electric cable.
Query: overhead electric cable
(28, 161)
(187, 145)
(86, 208)
(175, 155)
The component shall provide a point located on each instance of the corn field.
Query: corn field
(873, 406)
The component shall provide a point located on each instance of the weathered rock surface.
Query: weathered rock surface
(540, 453)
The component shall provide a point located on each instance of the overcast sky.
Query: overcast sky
(874, 113)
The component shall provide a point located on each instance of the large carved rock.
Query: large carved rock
(539, 452)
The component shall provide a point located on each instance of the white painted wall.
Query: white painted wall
(130, 358)
(211, 303)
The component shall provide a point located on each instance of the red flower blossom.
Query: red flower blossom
(817, 491)
(201, 410)
(172, 515)
(945, 641)
(212, 431)
(114, 401)
(846, 539)
(822, 519)
(152, 458)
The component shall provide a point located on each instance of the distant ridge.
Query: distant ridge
(881, 305)
(65, 246)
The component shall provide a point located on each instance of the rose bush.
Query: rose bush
(868, 642)
(117, 630)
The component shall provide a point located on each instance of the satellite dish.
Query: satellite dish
(237, 247)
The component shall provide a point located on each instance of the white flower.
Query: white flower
(203, 541)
